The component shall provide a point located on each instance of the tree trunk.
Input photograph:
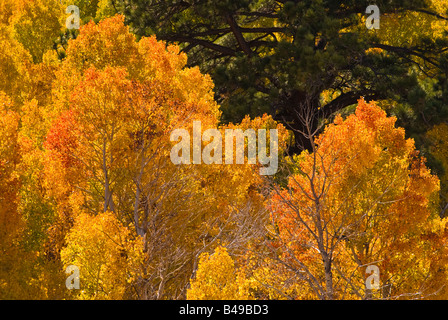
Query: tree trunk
(329, 293)
(108, 202)
(300, 112)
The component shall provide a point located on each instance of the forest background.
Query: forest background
(86, 178)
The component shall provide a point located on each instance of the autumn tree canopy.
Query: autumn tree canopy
(359, 198)
(88, 181)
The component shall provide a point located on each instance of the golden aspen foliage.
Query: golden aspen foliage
(13, 61)
(217, 279)
(36, 24)
(109, 258)
(9, 158)
(9, 182)
(7, 8)
(108, 43)
(406, 28)
(367, 186)
(116, 101)
(13, 273)
(24, 271)
(28, 85)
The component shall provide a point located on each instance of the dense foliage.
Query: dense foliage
(86, 177)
